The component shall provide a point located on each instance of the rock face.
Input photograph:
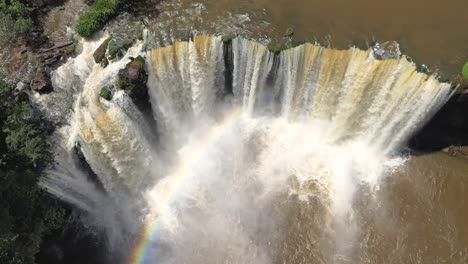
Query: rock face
(55, 53)
(41, 82)
(100, 54)
(457, 151)
(449, 127)
(133, 80)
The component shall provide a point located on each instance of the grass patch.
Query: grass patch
(96, 17)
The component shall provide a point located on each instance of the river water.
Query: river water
(431, 32)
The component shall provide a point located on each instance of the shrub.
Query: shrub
(275, 48)
(96, 17)
(15, 9)
(465, 71)
(15, 21)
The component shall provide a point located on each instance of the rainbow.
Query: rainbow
(172, 182)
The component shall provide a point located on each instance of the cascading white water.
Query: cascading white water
(312, 124)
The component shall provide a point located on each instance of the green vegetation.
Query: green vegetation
(26, 213)
(140, 35)
(115, 52)
(290, 42)
(119, 50)
(140, 60)
(289, 32)
(106, 93)
(227, 39)
(130, 90)
(465, 71)
(15, 21)
(97, 16)
(126, 86)
(106, 42)
(275, 48)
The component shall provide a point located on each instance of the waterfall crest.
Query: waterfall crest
(382, 101)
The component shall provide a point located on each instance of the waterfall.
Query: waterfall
(308, 127)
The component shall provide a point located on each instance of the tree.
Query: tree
(27, 214)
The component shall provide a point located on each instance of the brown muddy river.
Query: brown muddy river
(418, 216)
(431, 32)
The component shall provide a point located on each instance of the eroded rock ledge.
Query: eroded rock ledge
(448, 127)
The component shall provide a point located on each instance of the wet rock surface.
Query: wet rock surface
(133, 80)
(448, 127)
(457, 151)
(59, 51)
(41, 82)
(387, 50)
(58, 24)
(100, 54)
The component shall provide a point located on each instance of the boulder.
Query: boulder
(135, 71)
(41, 82)
(133, 79)
(387, 50)
(457, 151)
(100, 53)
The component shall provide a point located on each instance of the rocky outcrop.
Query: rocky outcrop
(41, 82)
(51, 55)
(457, 151)
(387, 50)
(449, 127)
(100, 54)
(133, 78)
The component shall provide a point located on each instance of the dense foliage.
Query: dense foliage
(26, 213)
(15, 20)
(96, 17)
